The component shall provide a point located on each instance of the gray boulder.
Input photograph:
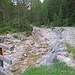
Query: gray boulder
(52, 58)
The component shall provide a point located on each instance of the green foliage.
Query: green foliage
(70, 49)
(14, 29)
(56, 20)
(62, 11)
(37, 11)
(50, 13)
(8, 28)
(28, 29)
(15, 16)
(66, 22)
(58, 68)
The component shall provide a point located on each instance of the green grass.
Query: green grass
(70, 49)
(58, 68)
(8, 28)
(28, 29)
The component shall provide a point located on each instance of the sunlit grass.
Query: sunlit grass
(58, 68)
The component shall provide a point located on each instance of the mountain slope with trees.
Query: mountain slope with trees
(49, 13)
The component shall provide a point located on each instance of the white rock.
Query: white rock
(8, 42)
(9, 56)
(38, 61)
(37, 45)
(9, 36)
(16, 41)
(6, 53)
(63, 58)
(25, 55)
(37, 53)
(14, 51)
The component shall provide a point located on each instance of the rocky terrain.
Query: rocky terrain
(43, 47)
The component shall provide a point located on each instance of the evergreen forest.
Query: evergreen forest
(21, 15)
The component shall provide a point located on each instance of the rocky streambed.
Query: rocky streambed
(37, 49)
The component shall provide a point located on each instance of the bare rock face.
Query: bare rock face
(52, 58)
(57, 46)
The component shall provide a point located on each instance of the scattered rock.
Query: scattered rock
(43, 47)
(14, 68)
(8, 52)
(9, 36)
(38, 61)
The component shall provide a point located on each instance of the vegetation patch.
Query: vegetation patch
(6, 29)
(57, 68)
(70, 49)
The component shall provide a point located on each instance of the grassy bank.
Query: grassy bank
(58, 68)
(28, 29)
(8, 28)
